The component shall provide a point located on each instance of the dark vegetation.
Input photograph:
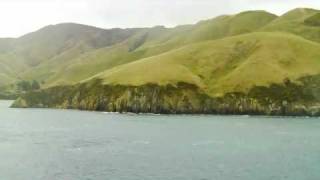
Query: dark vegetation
(288, 98)
(25, 86)
(313, 20)
(8, 96)
(12, 91)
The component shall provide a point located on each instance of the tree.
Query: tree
(24, 86)
(35, 85)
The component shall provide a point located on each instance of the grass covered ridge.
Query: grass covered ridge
(221, 55)
(220, 66)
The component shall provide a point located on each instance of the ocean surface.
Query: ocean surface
(44, 144)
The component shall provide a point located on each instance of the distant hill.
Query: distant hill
(145, 43)
(64, 41)
(300, 21)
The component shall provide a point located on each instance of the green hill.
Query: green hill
(224, 26)
(54, 40)
(297, 21)
(62, 41)
(231, 64)
(145, 43)
(252, 62)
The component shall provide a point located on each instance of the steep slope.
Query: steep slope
(216, 28)
(52, 43)
(298, 21)
(9, 63)
(145, 43)
(224, 26)
(231, 64)
(54, 40)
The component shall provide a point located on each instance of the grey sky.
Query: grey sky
(18, 17)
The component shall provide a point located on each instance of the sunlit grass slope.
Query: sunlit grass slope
(68, 68)
(231, 64)
(300, 21)
(222, 54)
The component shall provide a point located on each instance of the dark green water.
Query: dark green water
(40, 144)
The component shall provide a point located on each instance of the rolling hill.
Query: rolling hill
(59, 54)
(225, 65)
(228, 63)
(63, 41)
(300, 21)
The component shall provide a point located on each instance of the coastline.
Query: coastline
(176, 114)
(299, 98)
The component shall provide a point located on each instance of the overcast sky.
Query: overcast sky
(18, 17)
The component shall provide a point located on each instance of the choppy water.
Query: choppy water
(37, 144)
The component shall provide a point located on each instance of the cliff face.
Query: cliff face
(183, 98)
(299, 98)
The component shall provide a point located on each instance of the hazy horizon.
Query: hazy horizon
(31, 15)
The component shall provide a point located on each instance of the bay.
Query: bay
(40, 144)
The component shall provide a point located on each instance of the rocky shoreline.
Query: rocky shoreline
(287, 99)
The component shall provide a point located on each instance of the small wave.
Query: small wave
(205, 143)
(141, 142)
(282, 133)
(75, 149)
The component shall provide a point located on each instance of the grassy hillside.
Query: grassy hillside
(145, 43)
(55, 40)
(298, 21)
(224, 26)
(10, 67)
(224, 54)
(53, 43)
(231, 64)
(249, 63)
